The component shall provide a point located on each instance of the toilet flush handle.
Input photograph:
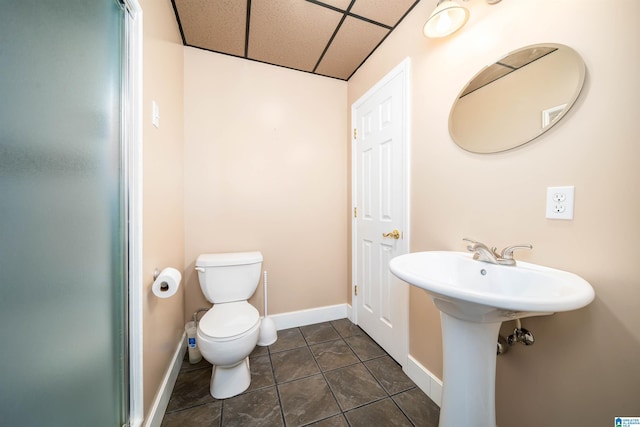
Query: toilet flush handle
(200, 269)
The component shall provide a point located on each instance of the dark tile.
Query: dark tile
(261, 373)
(354, 386)
(307, 400)
(288, 339)
(191, 389)
(259, 408)
(381, 413)
(186, 366)
(421, 410)
(336, 421)
(320, 332)
(346, 328)
(364, 347)
(333, 355)
(203, 415)
(259, 351)
(389, 374)
(293, 364)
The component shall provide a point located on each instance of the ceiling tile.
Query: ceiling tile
(340, 4)
(214, 25)
(524, 57)
(290, 33)
(353, 43)
(489, 74)
(383, 11)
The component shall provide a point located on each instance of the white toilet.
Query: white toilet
(228, 332)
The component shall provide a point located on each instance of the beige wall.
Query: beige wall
(584, 368)
(266, 169)
(163, 218)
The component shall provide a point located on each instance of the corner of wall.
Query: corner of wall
(163, 189)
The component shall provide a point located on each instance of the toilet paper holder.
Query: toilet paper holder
(166, 282)
(156, 273)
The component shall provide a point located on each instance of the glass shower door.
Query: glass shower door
(63, 248)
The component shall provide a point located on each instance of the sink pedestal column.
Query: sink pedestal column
(469, 372)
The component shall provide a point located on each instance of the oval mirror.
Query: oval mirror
(517, 99)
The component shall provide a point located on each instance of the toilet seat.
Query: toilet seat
(229, 321)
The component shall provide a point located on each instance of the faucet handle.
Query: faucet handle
(476, 243)
(507, 253)
(473, 242)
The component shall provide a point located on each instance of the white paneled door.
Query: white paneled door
(380, 153)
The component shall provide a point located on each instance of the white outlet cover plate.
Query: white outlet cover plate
(560, 209)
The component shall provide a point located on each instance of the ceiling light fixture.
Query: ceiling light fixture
(447, 18)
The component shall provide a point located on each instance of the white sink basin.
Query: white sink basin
(474, 298)
(484, 292)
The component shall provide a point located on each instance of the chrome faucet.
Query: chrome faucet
(481, 252)
(506, 256)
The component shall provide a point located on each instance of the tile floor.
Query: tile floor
(327, 374)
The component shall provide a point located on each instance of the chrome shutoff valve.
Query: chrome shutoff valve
(522, 336)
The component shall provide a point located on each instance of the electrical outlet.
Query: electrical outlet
(560, 202)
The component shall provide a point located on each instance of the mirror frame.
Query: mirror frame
(554, 114)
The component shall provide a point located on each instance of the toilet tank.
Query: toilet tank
(228, 277)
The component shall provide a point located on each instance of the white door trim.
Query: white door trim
(401, 69)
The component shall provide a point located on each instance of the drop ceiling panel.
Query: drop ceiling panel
(489, 74)
(524, 57)
(328, 37)
(355, 40)
(340, 4)
(383, 11)
(290, 33)
(507, 65)
(214, 25)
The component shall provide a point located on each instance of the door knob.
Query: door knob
(395, 234)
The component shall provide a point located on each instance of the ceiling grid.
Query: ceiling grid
(329, 37)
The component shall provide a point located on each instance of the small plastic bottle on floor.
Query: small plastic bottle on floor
(192, 345)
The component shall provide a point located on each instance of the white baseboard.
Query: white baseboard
(425, 380)
(295, 319)
(159, 407)
(283, 321)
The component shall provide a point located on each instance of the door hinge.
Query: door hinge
(355, 133)
(355, 290)
(355, 212)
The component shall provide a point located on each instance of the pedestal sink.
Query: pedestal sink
(474, 298)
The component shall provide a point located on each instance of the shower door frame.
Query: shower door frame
(132, 175)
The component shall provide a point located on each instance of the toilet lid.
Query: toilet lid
(229, 319)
